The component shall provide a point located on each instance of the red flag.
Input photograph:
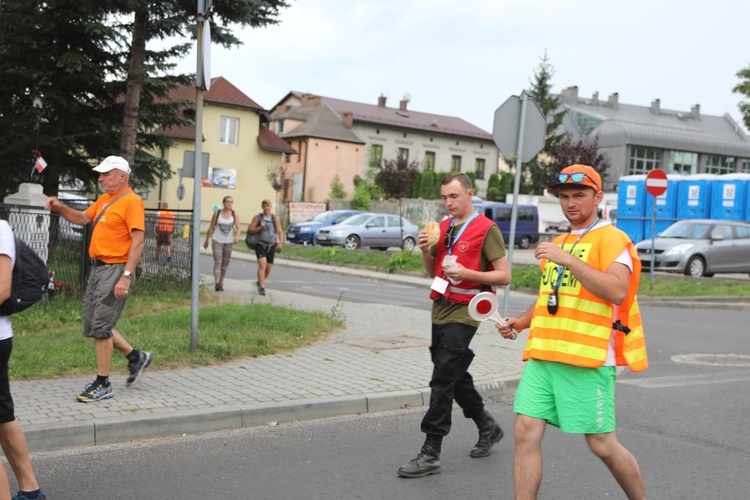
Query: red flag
(40, 164)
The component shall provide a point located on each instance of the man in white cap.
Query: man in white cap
(116, 246)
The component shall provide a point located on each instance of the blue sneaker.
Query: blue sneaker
(21, 496)
(136, 369)
(95, 392)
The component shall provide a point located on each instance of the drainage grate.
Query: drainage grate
(713, 359)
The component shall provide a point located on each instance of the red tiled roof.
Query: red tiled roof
(395, 117)
(269, 141)
(222, 92)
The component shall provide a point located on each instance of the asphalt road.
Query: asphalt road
(335, 286)
(685, 419)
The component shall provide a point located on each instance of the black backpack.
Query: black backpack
(30, 280)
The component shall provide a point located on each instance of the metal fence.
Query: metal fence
(64, 247)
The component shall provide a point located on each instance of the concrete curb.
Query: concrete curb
(98, 433)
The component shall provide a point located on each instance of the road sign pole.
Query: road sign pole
(656, 185)
(653, 239)
(516, 189)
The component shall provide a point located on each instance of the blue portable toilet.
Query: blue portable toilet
(694, 196)
(666, 206)
(729, 196)
(631, 205)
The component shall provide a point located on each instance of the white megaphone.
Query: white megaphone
(485, 306)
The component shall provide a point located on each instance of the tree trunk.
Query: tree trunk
(134, 84)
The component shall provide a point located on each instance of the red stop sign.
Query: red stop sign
(656, 182)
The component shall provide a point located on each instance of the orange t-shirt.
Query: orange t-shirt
(111, 239)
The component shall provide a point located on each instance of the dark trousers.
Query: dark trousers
(451, 381)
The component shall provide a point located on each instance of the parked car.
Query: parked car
(378, 231)
(699, 247)
(304, 232)
(527, 225)
(558, 227)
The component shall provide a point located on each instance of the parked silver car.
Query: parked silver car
(378, 231)
(699, 247)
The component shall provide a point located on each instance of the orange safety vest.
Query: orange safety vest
(579, 333)
(165, 221)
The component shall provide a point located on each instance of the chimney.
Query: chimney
(595, 98)
(570, 95)
(613, 100)
(348, 118)
(402, 104)
(695, 112)
(655, 106)
(381, 101)
(310, 100)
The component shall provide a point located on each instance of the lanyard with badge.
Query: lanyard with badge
(440, 284)
(552, 302)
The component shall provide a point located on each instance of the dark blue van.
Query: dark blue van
(527, 226)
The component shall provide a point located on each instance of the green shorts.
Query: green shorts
(577, 400)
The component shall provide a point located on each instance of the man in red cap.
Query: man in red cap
(583, 325)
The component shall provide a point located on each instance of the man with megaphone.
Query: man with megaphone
(583, 325)
(467, 258)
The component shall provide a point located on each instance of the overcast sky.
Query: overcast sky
(466, 57)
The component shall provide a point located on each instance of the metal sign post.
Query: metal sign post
(656, 185)
(202, 81)
(518, 131)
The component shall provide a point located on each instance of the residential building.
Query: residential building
(437, 142)
(640, 138)
(240, 145)
(328, 149)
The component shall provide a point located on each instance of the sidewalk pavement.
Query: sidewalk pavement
(372, 365)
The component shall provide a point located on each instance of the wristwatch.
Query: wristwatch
(126, 274)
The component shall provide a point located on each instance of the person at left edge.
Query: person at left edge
(115, 249)
(12, 438)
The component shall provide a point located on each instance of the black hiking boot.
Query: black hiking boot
(427, 462)
(490, 434)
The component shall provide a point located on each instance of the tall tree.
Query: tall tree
(743, 88)
(167, 19)
(89, 60)
(59, 52)
(533, 182)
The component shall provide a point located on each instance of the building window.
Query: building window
(455, 163)
(280, 127)
(682, 162)
(585, 122)
(403, 154)
(228, 130)
(376, 155)
(479, 168)
(429, 161)
(745, 165)
(643, 160)
(716, 164)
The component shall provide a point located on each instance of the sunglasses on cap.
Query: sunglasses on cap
(576, 177)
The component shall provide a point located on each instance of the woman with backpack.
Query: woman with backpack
(271, 239)
(223, 233)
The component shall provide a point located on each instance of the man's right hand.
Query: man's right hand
(53, 203)
(423, 241)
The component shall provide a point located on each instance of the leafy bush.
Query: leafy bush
(403, 261)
